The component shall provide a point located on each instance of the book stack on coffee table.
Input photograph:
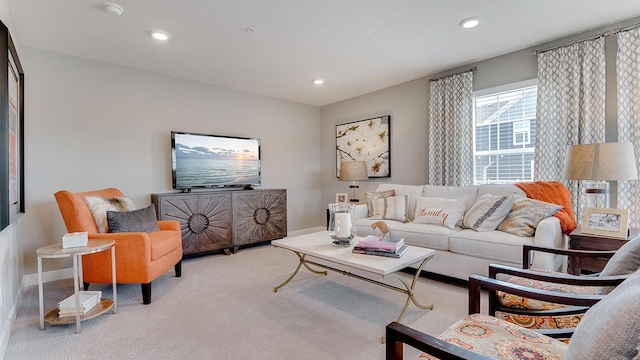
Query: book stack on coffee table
(379, 246)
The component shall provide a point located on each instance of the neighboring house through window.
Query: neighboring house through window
(504, 121)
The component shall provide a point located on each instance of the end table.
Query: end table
(56, 251)
(581, 241)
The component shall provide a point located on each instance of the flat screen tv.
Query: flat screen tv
(209, 161)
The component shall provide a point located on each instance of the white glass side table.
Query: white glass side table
(56, 251)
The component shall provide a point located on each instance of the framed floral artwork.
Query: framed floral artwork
(365, 140)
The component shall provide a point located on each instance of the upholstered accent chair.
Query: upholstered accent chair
(141, 257)
(542, 314)
(608, 330)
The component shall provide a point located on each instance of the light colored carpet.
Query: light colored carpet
(224, 307)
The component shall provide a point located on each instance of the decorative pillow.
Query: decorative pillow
(371, 196)
(488, 212)
(438, 211)
(609, 329)
(142, 220)
(392, 208)
(525, 216)
(625, 261)
(99, 207)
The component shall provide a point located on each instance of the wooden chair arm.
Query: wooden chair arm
(560, 278)
(476, 282)
(527, 249)
(398, 334)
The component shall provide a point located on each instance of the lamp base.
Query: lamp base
(596, 194)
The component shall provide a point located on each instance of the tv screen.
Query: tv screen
(201, 160)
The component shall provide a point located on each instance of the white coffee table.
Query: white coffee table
(318, 245)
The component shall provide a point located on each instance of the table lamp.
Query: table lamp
(597, 163)
(353, 171)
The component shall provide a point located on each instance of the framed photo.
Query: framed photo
(606, 222)
(342, 197)
(365, 140)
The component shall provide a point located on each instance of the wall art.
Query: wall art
(365, 140)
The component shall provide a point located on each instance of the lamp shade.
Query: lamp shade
(353, 170)
(601, 161)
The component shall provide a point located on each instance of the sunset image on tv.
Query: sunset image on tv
(203, 160)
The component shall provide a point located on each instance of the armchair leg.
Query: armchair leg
(146, 293)
(85, 285)
(178, 268)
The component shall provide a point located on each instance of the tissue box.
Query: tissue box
(76, 239)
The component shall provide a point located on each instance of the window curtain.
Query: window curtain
(451, 130)
(628, 76)
(570, 108)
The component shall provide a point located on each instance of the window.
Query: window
(504, 122)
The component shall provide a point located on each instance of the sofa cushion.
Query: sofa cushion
(370, 196)
(363, 226)
(392, 208)
(492, 245)
(499, 190)
(488, 212)
(525, 215)
(439, 211)
(467, 193)
(424, 235)
(413, 191)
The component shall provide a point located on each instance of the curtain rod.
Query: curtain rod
(453, 74)
(604, 34)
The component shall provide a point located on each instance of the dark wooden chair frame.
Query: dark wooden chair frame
(397, 334)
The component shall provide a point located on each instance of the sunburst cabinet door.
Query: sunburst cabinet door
(205, 219)
(259, 215)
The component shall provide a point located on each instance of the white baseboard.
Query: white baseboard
(306, 231)
(47, 276)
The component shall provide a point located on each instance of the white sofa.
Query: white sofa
(462, 252)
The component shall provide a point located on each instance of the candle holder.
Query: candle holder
(342, 228)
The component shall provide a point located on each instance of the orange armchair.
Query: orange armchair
(140, 257)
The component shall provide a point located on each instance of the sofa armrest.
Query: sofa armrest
(361, 211)
(549, 234)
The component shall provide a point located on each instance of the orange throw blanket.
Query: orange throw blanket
(553, 192)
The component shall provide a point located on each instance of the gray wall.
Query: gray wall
(91, 125)
(408, 104)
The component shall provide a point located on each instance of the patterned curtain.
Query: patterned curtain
(451, 130)
(570, 108)
(628, 70)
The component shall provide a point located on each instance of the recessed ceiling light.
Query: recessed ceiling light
(318, 81)
(469, 22)
(160, 35)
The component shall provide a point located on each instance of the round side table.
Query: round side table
(56, 251)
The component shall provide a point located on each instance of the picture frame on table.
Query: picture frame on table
(606, 222)
(342, 197)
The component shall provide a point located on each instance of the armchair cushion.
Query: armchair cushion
(625, 261)
(99, 206)
(141, 220)
(499, 339)
(610, 328)
(540, 322)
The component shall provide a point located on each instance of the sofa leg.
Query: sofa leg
(178, 268)
(85, 285)
(146, 293)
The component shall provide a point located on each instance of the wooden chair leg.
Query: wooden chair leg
(85, 285)
(178, 268)
(146, 293)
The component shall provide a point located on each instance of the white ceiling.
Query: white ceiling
(357, 46)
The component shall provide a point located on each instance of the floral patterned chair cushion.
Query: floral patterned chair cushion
(541, 322)
(499, 339)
